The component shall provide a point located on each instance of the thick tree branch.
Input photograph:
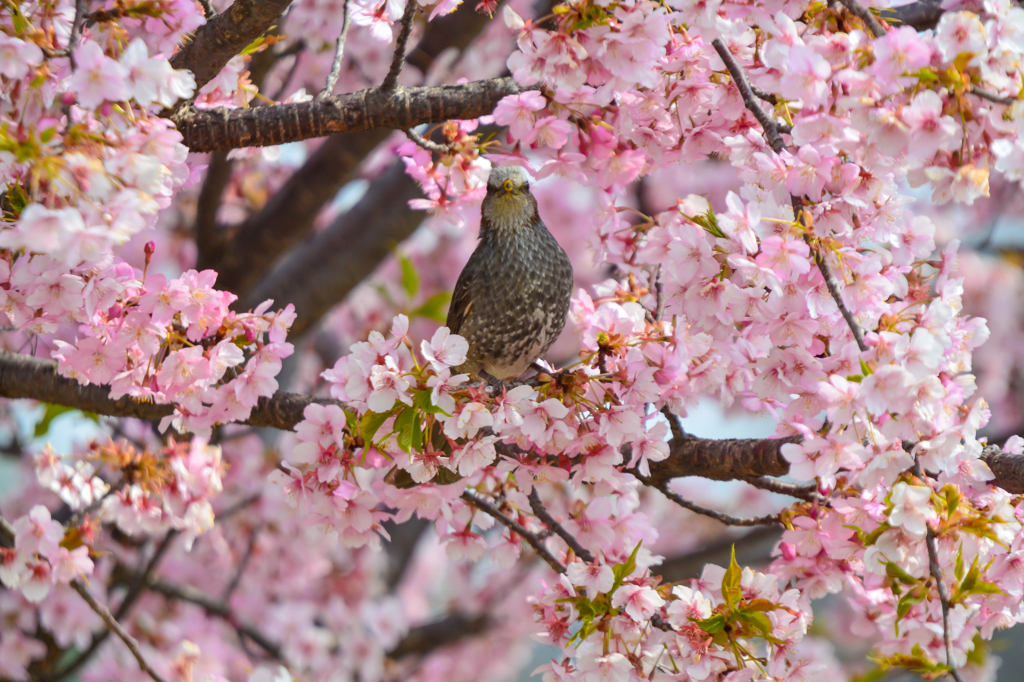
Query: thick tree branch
(424, 639)
(247, 251)
(24, 376)
(318, 274)
(207, 130)
(226, 35)
(920, 15)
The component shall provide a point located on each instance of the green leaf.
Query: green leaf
(959, 570)
(864, 369)
(712, 625)
(952, 500)
(422, 401)
(54, 411)
(403, 428)
(731, 582)
(897, 573)
(410, 278)
(855, 378)
(623, 570)
(417, 436)
(371, 423)
(434, 307)
(907, 602)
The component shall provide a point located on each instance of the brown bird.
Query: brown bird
(512, 298)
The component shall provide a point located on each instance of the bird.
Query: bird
(512, 298)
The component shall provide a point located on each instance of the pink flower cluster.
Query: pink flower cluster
(40, 558)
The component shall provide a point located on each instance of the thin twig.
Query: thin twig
(6, 532)
(391, 80)
(208, 9)
(294, 49)
(659, 295)
(802, 492)
(774, 138)
(424, 143)
(704, 511)
(81, 9)
(674, 423)
(531, 538)
(339, 55)
(237, 578)
(771, 130)
(217, 608)
(869, 19)
(997, 99)
(940, 585)
(241, 505)
(548, 520)
(833, 288)
(765, 96)
(134, 592)
(104, 613)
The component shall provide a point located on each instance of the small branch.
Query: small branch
(548, 520)
(659, 295)
(398, 60)
(771, 131)
(237, 578)
(936, 573)
(6, 533)
(802, 492)
(81, 9)
(116, 628)
(339, 55)
(704, 511)
(774, 138)
(833, 289)
(530, 538)
(208, 9)
(676, 424)
(429, 637)
(764, 96)
(997, 99)
(424, 143)
(217, 608)
(859, 11)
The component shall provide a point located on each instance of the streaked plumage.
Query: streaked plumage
(512, 298)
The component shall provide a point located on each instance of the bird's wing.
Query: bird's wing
(462, 299)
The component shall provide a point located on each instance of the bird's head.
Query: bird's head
(509, 202)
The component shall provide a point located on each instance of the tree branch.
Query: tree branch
(218, 174)
(225, 35)
(548, 520)
(771, 133)
(530, 538)
(920, 15)
(391, 79)
(859, 11)
(704, 511)
(247, 251)
(207, 130)
(339, 55)
(24, 376)
(114, 626)
(320, 273)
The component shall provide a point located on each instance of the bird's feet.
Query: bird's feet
(545, 375)
(495, 386)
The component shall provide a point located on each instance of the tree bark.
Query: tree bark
(208, 130)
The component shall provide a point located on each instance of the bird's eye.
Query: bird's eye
(509, 185)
